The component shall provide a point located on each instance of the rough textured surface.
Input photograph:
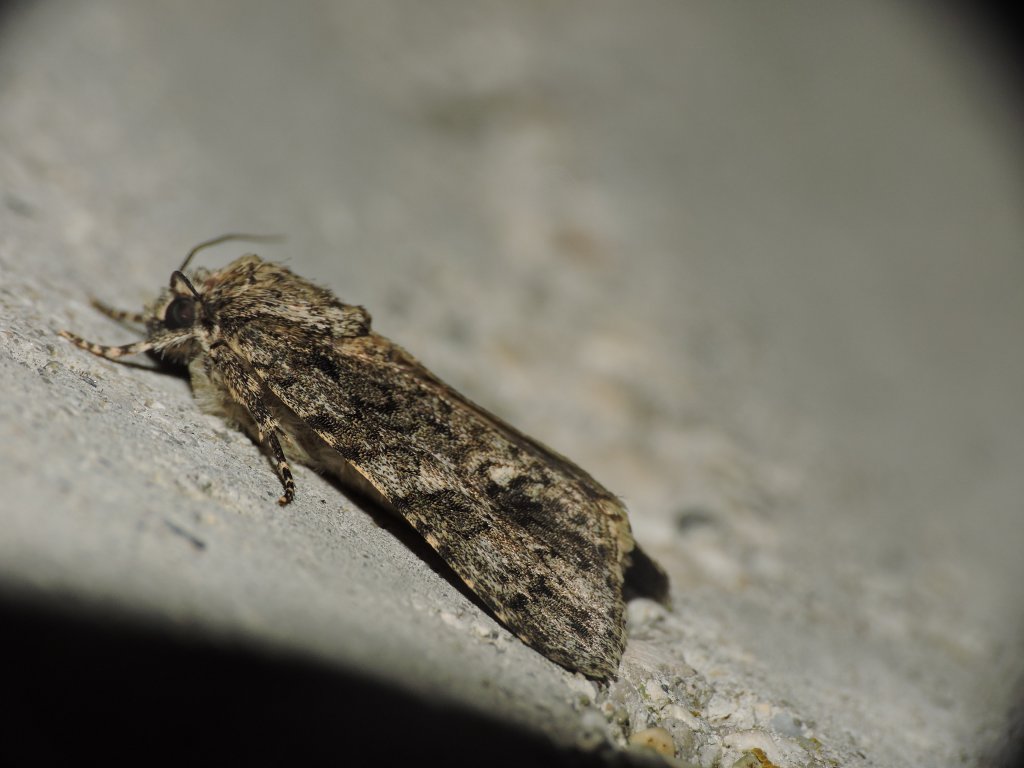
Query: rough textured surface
(756, 269)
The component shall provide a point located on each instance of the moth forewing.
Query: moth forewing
(542, 543)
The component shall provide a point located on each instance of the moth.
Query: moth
(541, 543)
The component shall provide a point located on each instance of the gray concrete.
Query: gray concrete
(757, 267)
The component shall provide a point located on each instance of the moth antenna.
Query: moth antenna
(224, 239)
(179, 275)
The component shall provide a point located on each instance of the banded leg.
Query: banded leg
(121, 315)
(246, 389)
(111, 353)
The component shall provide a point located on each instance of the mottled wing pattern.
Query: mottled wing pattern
(533, 535)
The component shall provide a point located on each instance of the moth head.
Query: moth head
(180, 321)
(176, 320)
(183, 308)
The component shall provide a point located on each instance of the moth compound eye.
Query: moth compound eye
(180, 313)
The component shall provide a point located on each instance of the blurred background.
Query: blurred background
(758, 264)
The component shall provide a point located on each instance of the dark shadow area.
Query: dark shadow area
(645, 578)
(81, 681)
(1011, 755)
(1008, 750)
(10, 10)
(997, 32)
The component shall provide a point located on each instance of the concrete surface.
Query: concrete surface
(757, 267)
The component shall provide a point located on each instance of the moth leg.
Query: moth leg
(245, 388)
(121, 315)
(111, 353)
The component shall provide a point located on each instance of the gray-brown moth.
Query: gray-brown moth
(537, 539)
